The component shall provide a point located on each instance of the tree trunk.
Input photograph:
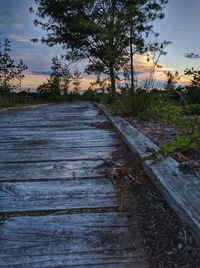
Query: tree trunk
(131, 55)
(111, 44)
(112, 79)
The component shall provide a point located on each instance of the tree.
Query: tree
(139, 15)
(100, 86)
(59, 80)
(50, 90)
(61, 75)
(66, 78)
(8, 70)
(99, 30)
(7, 67)
(195, 82)
(193, 90)
(172, 79)
(77, 80)
(20, 68)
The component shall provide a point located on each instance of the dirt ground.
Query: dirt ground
(166, 240)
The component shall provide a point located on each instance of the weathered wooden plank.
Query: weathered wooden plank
(65, 107)
(52, 138)
(90, 240)
(47, 129)
(44, 120)
(56, 131)
(56, 135)
(27, 123)
(75, 106)
(55, 144)
(44, 187)
(50, 170)
(49, 120)
(60, 154)
(182, 191)
(52, 196)
(49, 115)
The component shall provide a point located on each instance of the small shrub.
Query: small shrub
(134, 103)
(193, 95)
(166, 112)
(194, 109)
(182, 143)
(91, 95)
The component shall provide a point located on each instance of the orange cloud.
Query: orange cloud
(144, 67)
(32, 81)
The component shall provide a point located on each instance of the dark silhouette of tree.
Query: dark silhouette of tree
(193, 89)
(102, 31)
(172, 79)
(139, 16)
(8, 70)
(61, 74)
(20, 68)
(195, 74)
(66, 78)
(100, 85)
(77, 81)
(7, 67)
(59, 80)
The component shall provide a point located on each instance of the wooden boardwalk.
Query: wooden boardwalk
(57, 208)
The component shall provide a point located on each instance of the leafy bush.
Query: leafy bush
(182, 143)
(135, 103)
(194, 109)
(91, 95)
(50, 90)
(166, 112)
(9, 99)
(193, 91)
(193, 95)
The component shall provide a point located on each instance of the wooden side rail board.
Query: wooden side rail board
(181, 190)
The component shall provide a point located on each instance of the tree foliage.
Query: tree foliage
(77, 81)
(61, 74)
(105, 32)
(60, 80)
(194, 88)
(172, 79)
(8, 70)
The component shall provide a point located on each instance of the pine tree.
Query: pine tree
(20, 68)
(101, 31)
(61, 71)
(8, 70)
(77, 81)
(7, 67)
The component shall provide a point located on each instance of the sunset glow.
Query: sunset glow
(182, 53)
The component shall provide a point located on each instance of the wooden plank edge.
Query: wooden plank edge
(188, 214)
(13, 108)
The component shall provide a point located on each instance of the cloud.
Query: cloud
(19, 38)
(35, 78)
(144, 67)
(33, 81)
(192, 55)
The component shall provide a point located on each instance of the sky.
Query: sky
(180, 26)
